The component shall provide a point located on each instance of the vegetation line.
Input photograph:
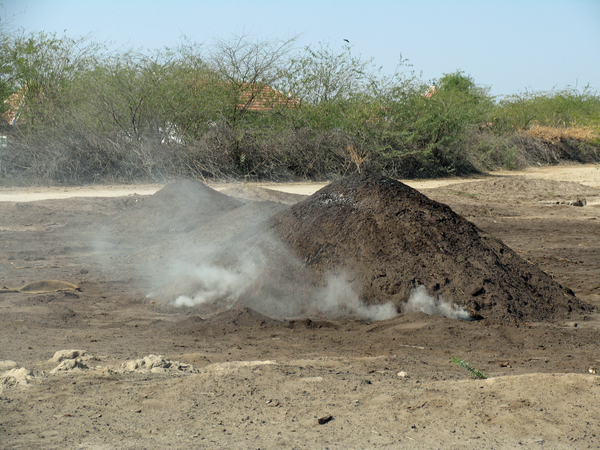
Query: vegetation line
(246, 108)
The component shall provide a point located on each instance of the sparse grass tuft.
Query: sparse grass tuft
(467, 365)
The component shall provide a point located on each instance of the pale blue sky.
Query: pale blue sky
(508, 45)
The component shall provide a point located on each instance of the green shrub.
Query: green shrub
(91, 116)
(558, 108)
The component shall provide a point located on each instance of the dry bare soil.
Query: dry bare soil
(195, 327)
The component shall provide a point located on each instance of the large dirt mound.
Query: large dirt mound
(388, 238)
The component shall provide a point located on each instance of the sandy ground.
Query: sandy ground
(239, 379)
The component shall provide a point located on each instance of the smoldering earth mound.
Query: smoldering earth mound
(386, 239)
(361, 240)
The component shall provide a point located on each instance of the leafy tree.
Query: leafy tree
(40, 66)
(245, 68)
(190, 95)
(7, 83)
(324, 75)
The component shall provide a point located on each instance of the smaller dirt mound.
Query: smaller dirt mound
(178, 207)
(71, 361)
(225, 322)
(63, 355)
(521, 190)
(16, 377)
(388, 239)
(263, 194)
(157, 364)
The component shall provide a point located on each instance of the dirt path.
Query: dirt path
(240, 379)
(588, 175)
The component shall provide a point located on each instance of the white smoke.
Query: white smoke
(215, 283)
(420, 301)
(244, 281)
(221, 262)
(338, 299)
(201, 280)
(231, 263)
(211, 283)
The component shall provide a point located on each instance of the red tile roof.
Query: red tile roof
(265, 98)
(10, 116)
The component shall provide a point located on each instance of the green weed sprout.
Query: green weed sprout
(467, 365)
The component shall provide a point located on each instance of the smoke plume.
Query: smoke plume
(248, 283)
(191, 246)
(338, 299)
(214, 283)
(420, 301)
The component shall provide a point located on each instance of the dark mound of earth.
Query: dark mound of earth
(388, 238)
(181, 206)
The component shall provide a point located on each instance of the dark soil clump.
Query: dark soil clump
(388, 238)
